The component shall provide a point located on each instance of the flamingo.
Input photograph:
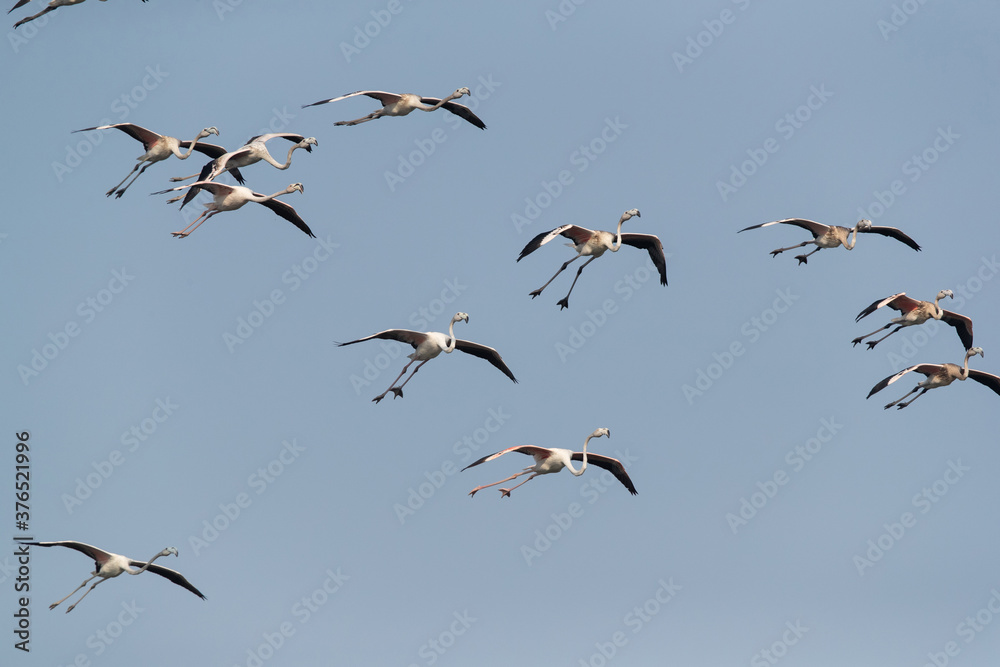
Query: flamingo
(553, 460)
(252, 152)
(594, 244)
(158, 148)
(53, 5)
(916, 312)
(232, 197)
(825, 236)
(396, 104)
(939, 375)
(427, 345)
(108, 565)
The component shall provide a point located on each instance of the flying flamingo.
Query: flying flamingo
(108, 565)
(232, 197)
(158, 148)
(252, 152)
(916, 312)
(553, 460)
(395, 104)
(53, 5)
(427, 345)
(594, 244)
(939, 375)
(825, 236)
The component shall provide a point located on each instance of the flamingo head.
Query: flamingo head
(945, 292)
(461, 317)
(462, 91)
(863, 225)
(295, 186)
(308, 143)
(632, 212)
(974, 351)
(601, 431)
(169, 551)
(209, 130)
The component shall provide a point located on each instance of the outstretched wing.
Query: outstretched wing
(614, 466)
(414, 338)
(382, 96)
(147, 137)
(815, 228)
(172, 575)
(459, 110)
(893, 233)
(963, 326)
(99, 555)
(484, 352)
(900, 302)
(925, 369)
(539, 453)
(991, 381)
(577, 234)
(652, 245)
(290, 136)
(286, 211)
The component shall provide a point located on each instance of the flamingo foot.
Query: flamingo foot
(856, 341)
(505, 493)
(563, 303)
(803, 259)
(775, 253)
(871, 344)
(177, 198)
(397, 392)
(71, 608)
(180, 235)
(118, 195)
(535, 293)
(53, 605)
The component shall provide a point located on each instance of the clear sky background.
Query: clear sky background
(733, 390)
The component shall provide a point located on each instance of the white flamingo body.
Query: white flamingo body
(915, 312)
(428, 345)
(53, 5)
(832, 236)
(233, 197)
(548, 461)
(593, 244)
(401, 104)
(938, 375)
(108, 565)
(158, 147)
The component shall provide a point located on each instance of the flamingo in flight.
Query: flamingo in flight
(591, 243)
(232, 197)
(938, 375)
(158, 148)
(108, 565)
(428, 345)
(396, 104)
(826, 236)
(53, 5)
(252, 152)
(553, 460)
(916, 312)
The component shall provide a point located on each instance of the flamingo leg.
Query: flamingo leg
(178, 179)
(32, 18)
(561, 269)
(68, 610)
(505, 493)
(122, 191)
(56, 604)
(915, 389)
(872, 343)
(564, 302)
(357, 121)
(861, 338)
(506, 479)
(775, 253)
(903, 405)
(112, 190)
(392, 385)
(804, 259)
(398, 391)
(190, 228)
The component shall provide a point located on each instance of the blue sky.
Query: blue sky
(780, 515)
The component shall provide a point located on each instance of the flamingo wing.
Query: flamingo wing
(539, 453)
(925, 369)
(286, 211)
(459, 110)
(654, 247)
(100, 556)
(577, 234)
(484, 352)
(963, 326)
(815, 228)
(878, 303)
(172, 575)
(893, 233)
(991, 381)
(383, 97)
(147, 137)
(612, 465)
(290, 136)
(414, 338)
